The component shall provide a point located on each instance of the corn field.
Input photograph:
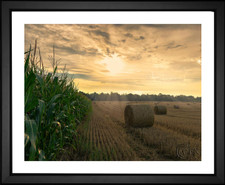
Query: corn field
(53, 110)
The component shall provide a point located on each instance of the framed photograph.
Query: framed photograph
(115, 92)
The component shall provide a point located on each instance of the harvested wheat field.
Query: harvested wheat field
(175, 136)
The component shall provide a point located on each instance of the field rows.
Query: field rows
(175, 136)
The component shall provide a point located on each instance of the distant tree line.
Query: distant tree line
(135, 97)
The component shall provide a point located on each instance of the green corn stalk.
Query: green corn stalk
(50, 99)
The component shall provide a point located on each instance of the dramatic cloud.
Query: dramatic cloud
(101, 33)
(124, 58)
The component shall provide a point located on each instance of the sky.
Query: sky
(124, 58)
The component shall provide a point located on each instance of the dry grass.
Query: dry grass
(175, 136)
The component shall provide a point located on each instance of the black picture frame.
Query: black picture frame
(7, 7)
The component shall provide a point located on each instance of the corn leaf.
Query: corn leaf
(41, 109)
(41, 155)
(54, 98)
(31, 131)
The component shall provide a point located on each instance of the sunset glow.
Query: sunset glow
(124, 58)
(114, 64)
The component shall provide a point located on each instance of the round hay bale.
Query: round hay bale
(160, 109)
(176, 107)
(139, 115)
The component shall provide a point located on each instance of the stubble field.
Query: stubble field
(175, 136)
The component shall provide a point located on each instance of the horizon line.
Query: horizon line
(139, 94)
